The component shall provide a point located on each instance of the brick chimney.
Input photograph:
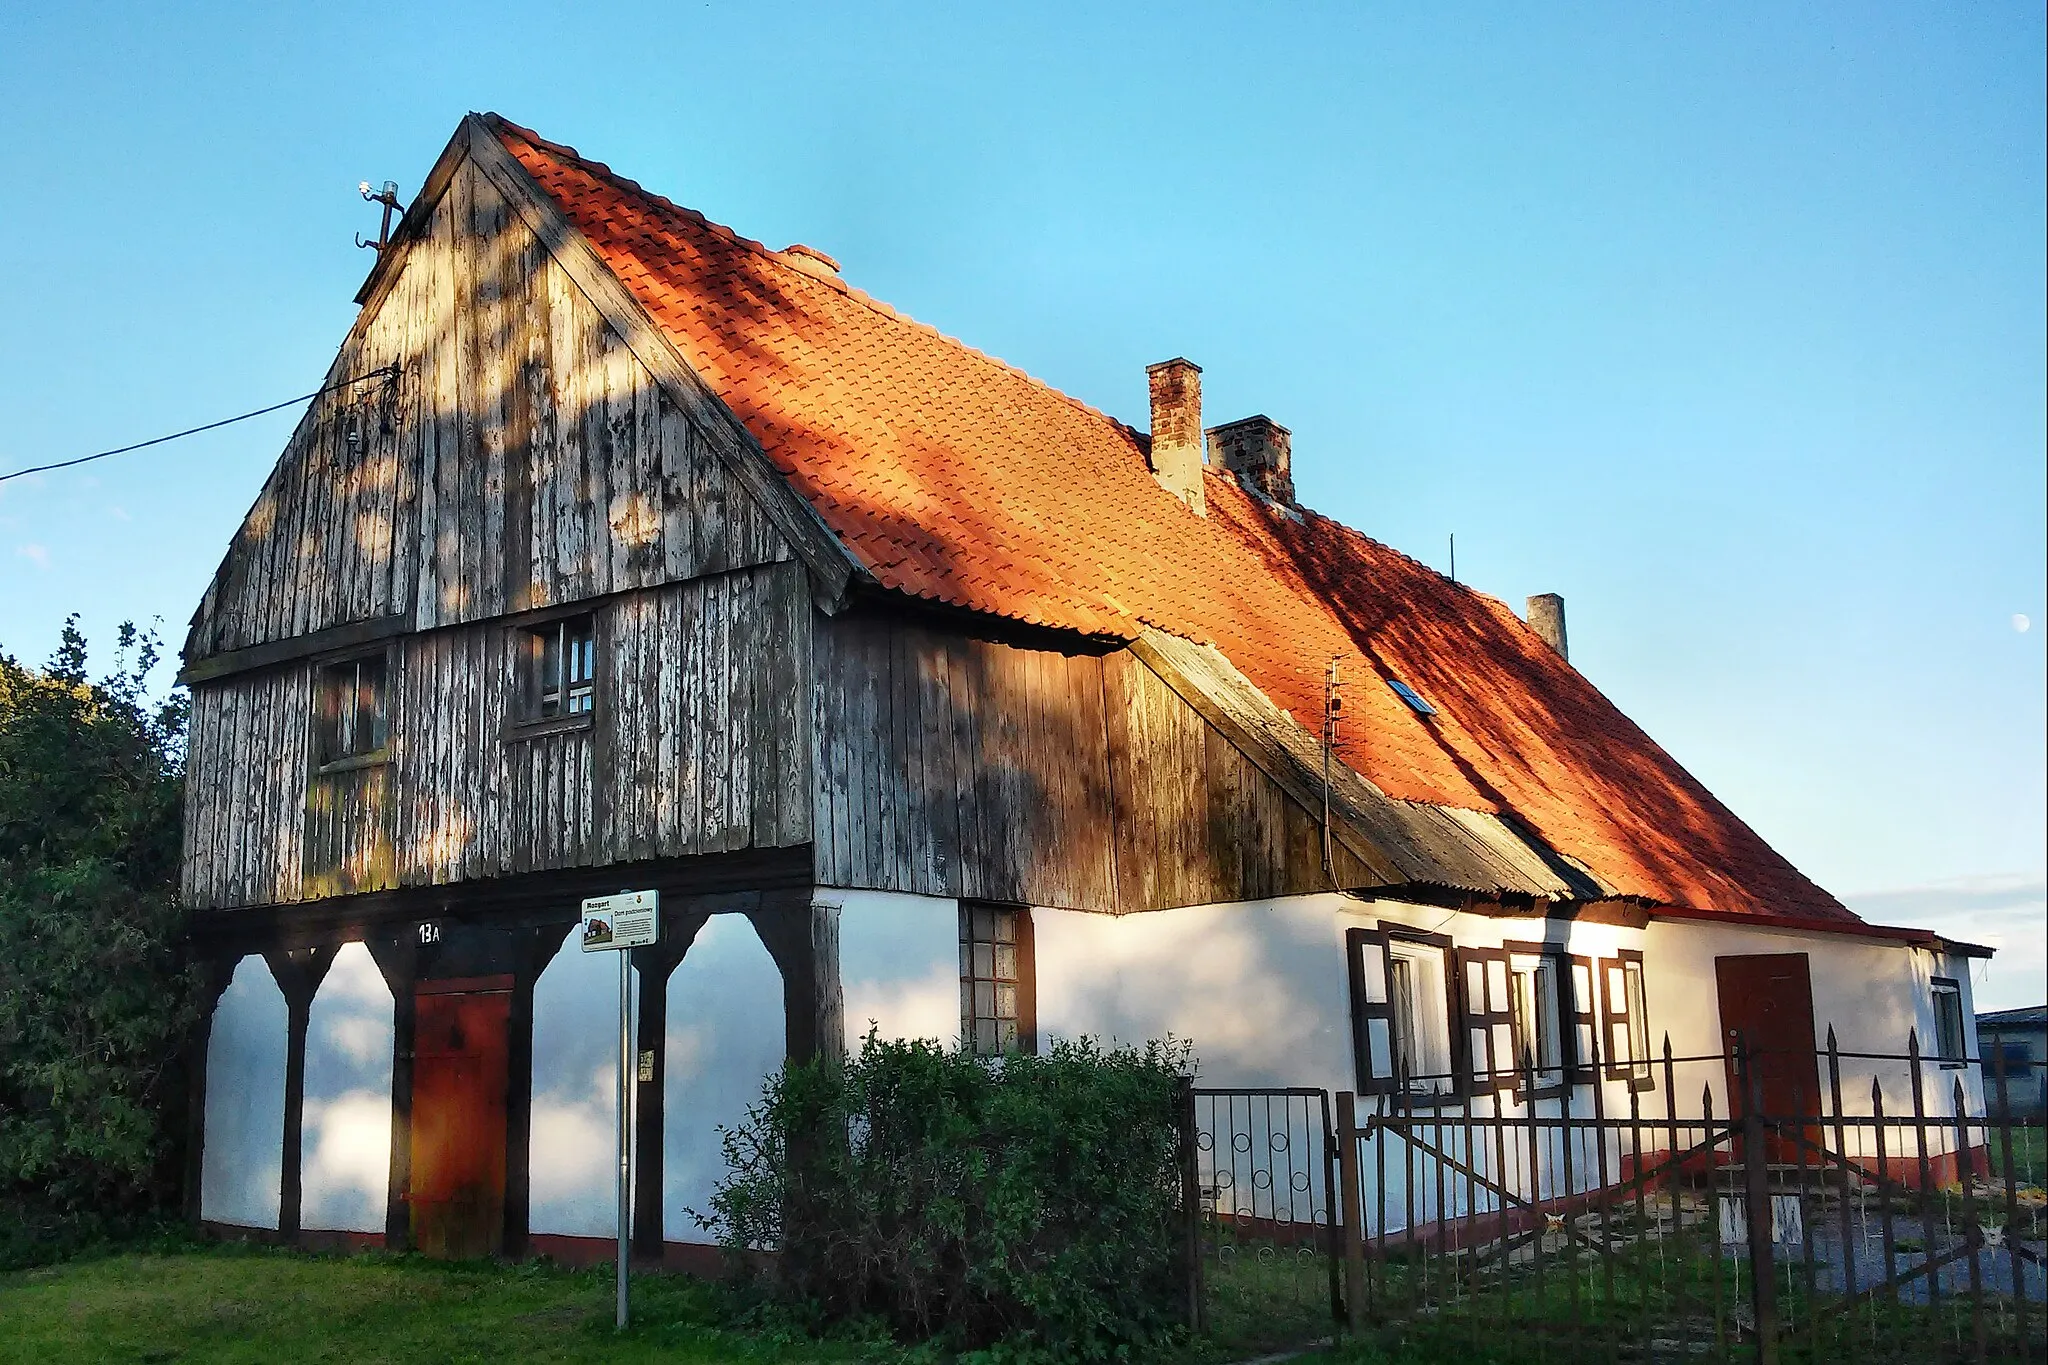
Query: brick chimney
(1177, 430)
(1546, 618)
(1256, 450)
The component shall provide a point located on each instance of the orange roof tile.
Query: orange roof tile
(956, 478)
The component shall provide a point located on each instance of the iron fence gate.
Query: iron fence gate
(1880, 1211)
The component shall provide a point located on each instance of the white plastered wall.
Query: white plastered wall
(245, 1058)
(345, 1159)
(899, 965)
(725, 1035)
(573, 1163)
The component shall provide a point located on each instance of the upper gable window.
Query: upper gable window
(351, 715)
(559, 659)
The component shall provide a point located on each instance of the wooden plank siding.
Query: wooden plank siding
(950, 765)
(698, 743)
(524, 458)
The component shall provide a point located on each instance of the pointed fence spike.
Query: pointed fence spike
(1667, 1045)
(1831, 1036)
(1913, 1043)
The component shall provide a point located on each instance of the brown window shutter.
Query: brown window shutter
(1372, 1011)
(1487, 1020)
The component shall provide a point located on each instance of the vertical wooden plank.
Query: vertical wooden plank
(794, 713)
(710, 493)
(828, 750)
(439, 415)
(1123, 730)
(736, 665)
(678, 519)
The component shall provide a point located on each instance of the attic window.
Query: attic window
(1412, 697)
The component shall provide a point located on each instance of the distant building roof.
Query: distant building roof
(2027, 1014)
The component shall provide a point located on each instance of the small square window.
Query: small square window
(350, 719)
(559, 660)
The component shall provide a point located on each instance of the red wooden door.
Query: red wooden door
(458, 1116)
(1767, 1003)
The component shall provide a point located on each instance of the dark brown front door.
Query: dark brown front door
(1767, 1004)
(458, 1116)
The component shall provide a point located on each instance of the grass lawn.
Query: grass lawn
(263, 1305)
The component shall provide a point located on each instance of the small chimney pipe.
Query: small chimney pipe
(1176, 458)
(1546, 618)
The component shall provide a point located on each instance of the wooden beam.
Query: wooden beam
(299, 972)
(653, 968)
(349, 635)
(831, 563)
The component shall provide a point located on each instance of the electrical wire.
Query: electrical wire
(388, 372)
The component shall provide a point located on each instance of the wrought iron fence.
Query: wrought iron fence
(1761, 1206)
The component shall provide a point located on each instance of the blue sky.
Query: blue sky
(1725, 322)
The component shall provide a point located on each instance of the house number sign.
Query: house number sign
(631, 919)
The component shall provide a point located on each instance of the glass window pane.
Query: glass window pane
(1006, 926)
(984, 960)
(1006, 1002)
(1006, 1032)
(984, 999)
(985, 1038)
(1006, 962)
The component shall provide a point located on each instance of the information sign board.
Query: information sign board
(631, 919)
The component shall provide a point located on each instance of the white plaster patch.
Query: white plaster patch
(245, 1057)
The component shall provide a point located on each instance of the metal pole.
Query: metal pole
(625, 1122)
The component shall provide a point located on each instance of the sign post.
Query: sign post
(617, 924)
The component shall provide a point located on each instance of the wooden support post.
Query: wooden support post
(214, 975)
(397, 958)
(533, 950)
(299, 972)
(650, 1053)
(1349, 1215)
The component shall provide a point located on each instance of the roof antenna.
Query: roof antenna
(1454, 556)
(388, 197)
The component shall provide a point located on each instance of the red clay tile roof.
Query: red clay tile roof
(956, 478)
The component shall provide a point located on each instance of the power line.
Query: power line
(389, 372)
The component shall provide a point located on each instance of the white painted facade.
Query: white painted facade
(345, 1134)
(573, 1163)
(245, 1060)
(899, 964)
(725, 1036)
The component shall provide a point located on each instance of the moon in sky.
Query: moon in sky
(2020, 622)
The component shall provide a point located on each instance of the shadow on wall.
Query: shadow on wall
(245, 1060)
(725, 1037)
(347, 1126)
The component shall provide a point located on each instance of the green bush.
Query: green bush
(1033, 1201)
(94, 1003)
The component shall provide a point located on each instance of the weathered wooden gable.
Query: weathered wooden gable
(523, 455)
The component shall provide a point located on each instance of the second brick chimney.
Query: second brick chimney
(1177, 430)
(1256, 450)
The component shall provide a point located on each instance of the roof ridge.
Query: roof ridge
(852, 291)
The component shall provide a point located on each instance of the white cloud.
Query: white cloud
(38, 555)
(2008, 913)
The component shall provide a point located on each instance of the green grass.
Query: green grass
(252, 1305)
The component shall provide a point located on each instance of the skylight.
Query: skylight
(1412, 697)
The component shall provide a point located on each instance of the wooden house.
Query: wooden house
(629, 553)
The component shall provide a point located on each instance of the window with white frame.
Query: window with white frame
(1949, 1044)
(1539, 1021)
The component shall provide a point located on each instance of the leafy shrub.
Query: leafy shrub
(94, 1004)
(1032, 1201)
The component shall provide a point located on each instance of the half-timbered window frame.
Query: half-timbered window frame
(1402, 1010)
(1488, 1049)
(1554, 1045)
(351, 710)
(528, 637)
(998, 979)
(1625, 1021)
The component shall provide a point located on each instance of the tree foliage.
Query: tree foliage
(94, 1002)
(1033, 1201)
